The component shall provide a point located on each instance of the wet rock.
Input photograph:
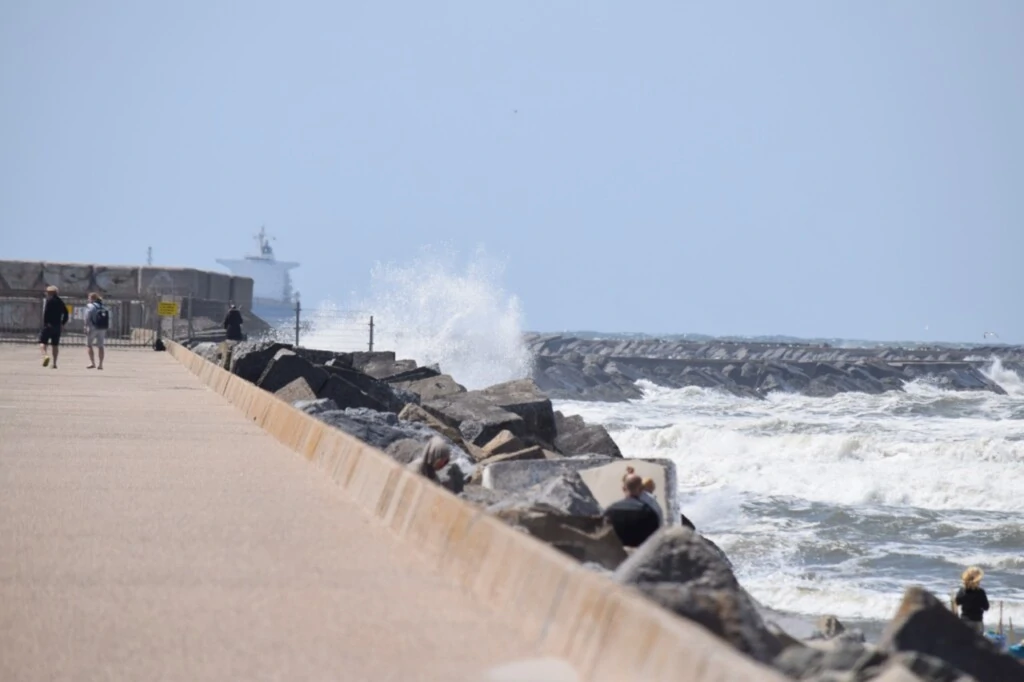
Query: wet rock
(575, 437)
(286, 367)
(249, 359)
(830, 626)
(923, 624)
(677, 569)
(405, 450)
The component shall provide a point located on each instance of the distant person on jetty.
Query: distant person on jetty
(55, 316)
(633, 519)
(972, 600)
(97, 321)
(233, 324)
(435, 457)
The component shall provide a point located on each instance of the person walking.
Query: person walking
(97, 321)
(972, 600)
(233, 324)
(55, 316)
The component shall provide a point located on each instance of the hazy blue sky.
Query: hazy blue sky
(808, 168)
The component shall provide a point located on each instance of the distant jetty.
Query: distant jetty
(572, 368)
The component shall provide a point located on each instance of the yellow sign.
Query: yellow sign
(70, 308)
(167, 309)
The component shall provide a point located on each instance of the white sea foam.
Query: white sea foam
(433, 311)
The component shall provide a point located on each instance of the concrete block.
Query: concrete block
(17, 275)
(176, 281)
(116, 282)
(70, 278)
(21, 315)
(219, 286)
(241, 292)
(519, 475)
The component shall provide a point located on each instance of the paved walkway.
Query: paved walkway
(148, 531)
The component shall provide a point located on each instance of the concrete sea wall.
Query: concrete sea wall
(25, 278)
(606, 630)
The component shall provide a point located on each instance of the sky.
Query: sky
(826, 169)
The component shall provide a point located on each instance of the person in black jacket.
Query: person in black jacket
(55, 316)
(233, 324)
(972, 600)
(633, 519)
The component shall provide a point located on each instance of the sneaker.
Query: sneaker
(46, 361)
(91, 367)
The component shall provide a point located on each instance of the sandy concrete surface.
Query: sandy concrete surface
(148, 531)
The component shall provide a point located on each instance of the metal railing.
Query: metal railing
(21, 321)
(141, 322)
(328, 326)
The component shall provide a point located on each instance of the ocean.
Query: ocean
(836, 505)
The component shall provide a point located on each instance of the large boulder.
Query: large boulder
(298, 391)
(575, 437)
(286, 367)
(923, 624)
(503, 444)
(415, 413)
(567, 494)
(676, 569)
(379, 429)
(416, 374)
(383, 394)
(524, 398)
(476, 418)
(381, 364)
(589, 540)
(250, 359)
(345, 395)
(430, 388)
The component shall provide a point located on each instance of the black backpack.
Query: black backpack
(100, 317)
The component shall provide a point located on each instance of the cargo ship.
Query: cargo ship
(273, 299)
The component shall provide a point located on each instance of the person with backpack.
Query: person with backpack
(97, 321)
(55, 316)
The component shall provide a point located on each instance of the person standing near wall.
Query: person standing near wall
(55, 316)
(97, 321)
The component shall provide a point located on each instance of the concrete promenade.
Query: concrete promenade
(148, 531)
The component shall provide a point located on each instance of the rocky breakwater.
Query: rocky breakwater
(551, 476)
(569, 368)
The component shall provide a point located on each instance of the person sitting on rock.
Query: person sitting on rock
(972, 600)
(647, 497)
(436, 455)
(633, 519)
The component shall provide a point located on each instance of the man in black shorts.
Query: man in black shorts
(55, 316)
